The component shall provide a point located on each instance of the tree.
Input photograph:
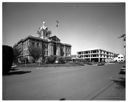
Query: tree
(123, 36)
(48, 32)
(16, 53)
(7, 58)
(61, 51)
(35, 52)
(51, 59)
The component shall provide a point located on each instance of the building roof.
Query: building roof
(30, 37)
(96, 49)
(54, 38)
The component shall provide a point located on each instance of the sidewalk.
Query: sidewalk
(115, 92)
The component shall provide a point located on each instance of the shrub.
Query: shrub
(89, 63)
(68, 59)
(61, 60)
(100, 63)
(51, 59)
(7, 58)
(24, 60)
(30, 59)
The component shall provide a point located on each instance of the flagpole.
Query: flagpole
(56, 37)
(57, 30)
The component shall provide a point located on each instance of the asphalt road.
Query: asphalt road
(71, 83)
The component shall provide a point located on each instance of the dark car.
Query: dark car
(123, 70)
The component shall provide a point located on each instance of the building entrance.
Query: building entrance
(54, 49)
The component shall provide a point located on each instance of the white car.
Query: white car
(13, 66)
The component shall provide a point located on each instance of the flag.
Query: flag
(57, 23)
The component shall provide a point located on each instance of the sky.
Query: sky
(83, 25)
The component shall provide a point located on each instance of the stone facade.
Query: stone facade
(49, 45)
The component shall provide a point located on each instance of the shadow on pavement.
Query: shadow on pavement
(18, 72)
(63, 99)
(14, 69)
(120, 82)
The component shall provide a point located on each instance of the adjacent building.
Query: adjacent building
(49, 45)
(96, 55)
(74, 57)
(119, 58)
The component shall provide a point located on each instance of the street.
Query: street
(69, 83)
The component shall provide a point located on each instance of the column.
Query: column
(58, 50)
(90, 55)
(49, 49)
(64, 51)
(99, 56)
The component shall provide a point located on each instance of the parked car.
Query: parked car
(100, 64)
(123, 70)
(13, 66)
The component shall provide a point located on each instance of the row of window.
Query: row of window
(94, 56)
(67, 49)
(37, 44)
(120, 57)
(88, 52)
(95, 53)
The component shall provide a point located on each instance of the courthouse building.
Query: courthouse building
(96, 55)
(50, 45)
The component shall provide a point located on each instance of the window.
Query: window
(37, 44)
(79, 52)
(33, 43)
